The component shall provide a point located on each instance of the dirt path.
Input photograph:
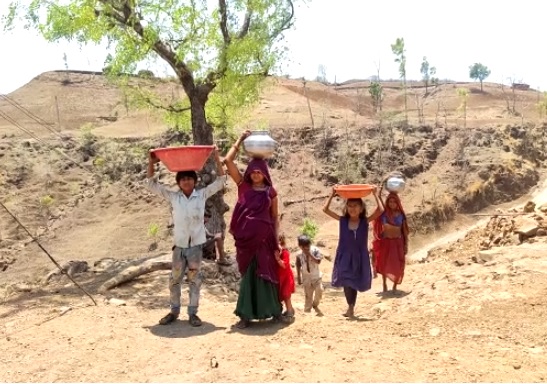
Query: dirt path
(467, 322)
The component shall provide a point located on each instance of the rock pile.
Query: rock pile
(514, 227)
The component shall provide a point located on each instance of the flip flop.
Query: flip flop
(224, 263)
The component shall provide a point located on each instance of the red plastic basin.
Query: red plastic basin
(354, 191)
(187, 158)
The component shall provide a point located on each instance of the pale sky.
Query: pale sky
(348, 37)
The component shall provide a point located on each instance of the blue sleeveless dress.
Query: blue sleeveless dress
(352, 263)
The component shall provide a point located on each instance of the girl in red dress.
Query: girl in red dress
(286, 278)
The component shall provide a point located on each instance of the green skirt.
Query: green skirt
(258, 298)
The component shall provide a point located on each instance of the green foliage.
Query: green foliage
(146, 74)
(309, 228)
(219, 54)
(428, 73)
(479, 72)
(376, 92)
(399, 51)
(46, 201)
(153, 230)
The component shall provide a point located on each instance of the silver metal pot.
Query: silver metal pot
(395, 183)
(260, 144)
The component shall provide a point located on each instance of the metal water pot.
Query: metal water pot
(395, 182)
(260, 145)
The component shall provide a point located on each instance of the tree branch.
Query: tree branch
(287, 23)
(126, 17)
(246, 22)
(224, 22)
(168, 108)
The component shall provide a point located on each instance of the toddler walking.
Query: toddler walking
(286, 279)
(309, 274)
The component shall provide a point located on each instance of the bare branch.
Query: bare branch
(224, 22)
(246, 22)
(287, 23)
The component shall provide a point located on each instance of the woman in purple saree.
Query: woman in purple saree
(255, 227)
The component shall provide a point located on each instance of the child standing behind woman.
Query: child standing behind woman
(286, 278)
(352, 267)
(308, 272)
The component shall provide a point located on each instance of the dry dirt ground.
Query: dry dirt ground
(456, 320)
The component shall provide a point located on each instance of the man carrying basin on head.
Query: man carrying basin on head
(188, 210)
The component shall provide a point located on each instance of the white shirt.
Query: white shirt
(188, 212)
(314, 273)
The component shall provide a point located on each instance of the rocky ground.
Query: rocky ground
(471, 311)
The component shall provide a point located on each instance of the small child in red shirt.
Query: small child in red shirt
(286, 278)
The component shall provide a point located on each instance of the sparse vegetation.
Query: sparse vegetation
(463, 94)
(428, 73)
(309, 228)
(376, 93)
(399, 51)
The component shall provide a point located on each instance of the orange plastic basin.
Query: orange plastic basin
(187, 158)
(354, 191)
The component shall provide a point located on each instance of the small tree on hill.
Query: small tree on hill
(321, 74)
(399, 51)
(376, 92)
(463, 94)
(479, 72)
(428, 73)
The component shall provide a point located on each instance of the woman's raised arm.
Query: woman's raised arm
(233, 171)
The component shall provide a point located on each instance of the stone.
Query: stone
(116, 302)
(434, 332)
(529, 207)
(526, 226)
(486, 255)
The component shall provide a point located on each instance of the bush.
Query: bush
(146, 74)
(309, 228)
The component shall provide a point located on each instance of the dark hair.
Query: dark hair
(303, 240)
(362, 215)
(281, 239)
(182, 174)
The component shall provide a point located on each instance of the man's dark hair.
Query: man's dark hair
(182, 174)
(304, 240)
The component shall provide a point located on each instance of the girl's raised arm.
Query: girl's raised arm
(327, 209)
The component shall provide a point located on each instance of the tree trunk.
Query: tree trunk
(202, 133)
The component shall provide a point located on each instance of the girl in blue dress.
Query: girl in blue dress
(352, 267)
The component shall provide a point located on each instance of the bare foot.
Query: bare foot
(317, 310)
(349, 313)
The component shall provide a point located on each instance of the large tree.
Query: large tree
(210, 44)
